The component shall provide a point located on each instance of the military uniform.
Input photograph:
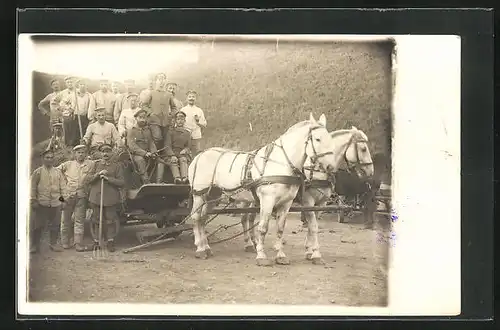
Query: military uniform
(56, 142)
(48, 192)
(76, 174)
(111, 194)
(140, 141)
(178, 144)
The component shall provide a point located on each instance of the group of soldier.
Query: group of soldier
(153, 126)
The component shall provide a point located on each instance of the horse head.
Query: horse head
(357, 155)
(319, 144)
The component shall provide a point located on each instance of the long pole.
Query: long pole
(78, 116)
(101, 241)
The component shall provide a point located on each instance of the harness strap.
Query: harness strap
(234, 159)
(215, 169)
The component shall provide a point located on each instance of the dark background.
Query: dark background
(475, 28)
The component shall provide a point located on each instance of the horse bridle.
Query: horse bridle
(350, 167)
(316, 156)
(357, 163)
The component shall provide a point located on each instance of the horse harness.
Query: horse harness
(251, 184)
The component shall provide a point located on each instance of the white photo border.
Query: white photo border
(425, 264)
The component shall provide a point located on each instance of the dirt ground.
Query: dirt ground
(353, 275)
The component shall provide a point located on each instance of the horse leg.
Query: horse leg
(251, 229)
(282, 213)
(312, 232)
(197, 218)
(308, 200)
(247, 221)
(266, 207)
(247, 237)
(205, 247)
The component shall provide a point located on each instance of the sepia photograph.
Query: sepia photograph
(216, 170)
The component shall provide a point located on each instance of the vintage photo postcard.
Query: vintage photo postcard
(252, 175)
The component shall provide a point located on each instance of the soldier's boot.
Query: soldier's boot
(54, 246)
(184, 169)
(145, 179)
(35, 238)
(111, 245)
(175, 173)
(79, 246)
(160, 169)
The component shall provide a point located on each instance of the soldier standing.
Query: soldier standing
(160, 104)
(48, 194)
(122, 102)
(75, 172)
(53, 111)
(195, 121)
(84, 99)
(112, 174)
(68, 106)
(103, 98)
(127, 116)
(172, 88)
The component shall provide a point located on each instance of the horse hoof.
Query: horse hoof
(201, 255)
(283, 242)
(264, 262)
(308, 256)
(250, 248)
(282, 261)
(209, 252)
(304, 225)
(318, 261)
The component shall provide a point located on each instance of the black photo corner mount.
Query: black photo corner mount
(474, 26)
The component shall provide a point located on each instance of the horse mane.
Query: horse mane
(345, 131)
(340, 132)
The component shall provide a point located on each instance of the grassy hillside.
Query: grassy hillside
(274, 88)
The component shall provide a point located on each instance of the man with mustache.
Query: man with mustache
(53, 111)
(141, 144)
(100, 132)
(75, 172)
(195, 121)
(112, 174)
(172, 88)
(103, 98)
(48, 194)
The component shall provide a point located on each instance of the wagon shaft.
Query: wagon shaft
(293, 209)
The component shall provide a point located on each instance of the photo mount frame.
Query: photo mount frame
(471, 42)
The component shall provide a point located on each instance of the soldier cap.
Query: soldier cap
(105, 146)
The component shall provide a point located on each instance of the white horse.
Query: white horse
(270, 176)
(350, 146)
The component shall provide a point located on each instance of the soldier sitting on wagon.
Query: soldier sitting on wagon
(178, 148)
(100, 132)
(141, 144)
